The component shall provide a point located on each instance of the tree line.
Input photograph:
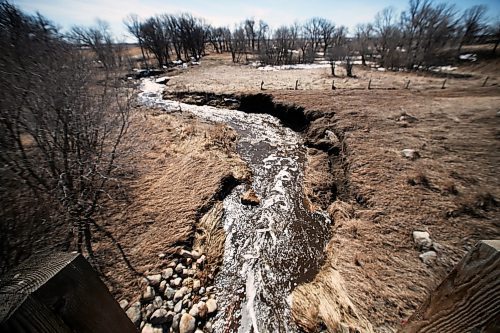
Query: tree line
(415, 38)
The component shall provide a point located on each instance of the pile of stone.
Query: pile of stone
(174, 300)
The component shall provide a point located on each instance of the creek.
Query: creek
(274, 246)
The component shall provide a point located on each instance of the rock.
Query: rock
(202, 291)
(204, 298)
(169, 293)
(148, 294)
(437, 247)
(179, 294)
(170, 305)
(148, 328)
(188, 272)
(162, 80)
(154, 280)
(188, 282)
(175, 322)
(195, 255)
(162, 287)
(198, 331)
(172, 264)
(208, 327)
(201, 260)
(149, 311)
(210, 289)
(161, 316)
(123, 303)
(422, 239)
(194, 311)
(157, 302)
(211, 306)
(196, 285)
(186, 303)
(411, 154)
(176, 282)
(134, 313)
(408, 118)
(428, 257)
(250, 198)
(202, 309)
(187, 324)
(179, 268)
(189, 261)
(167, 273)
(332, 137)
(178, 307)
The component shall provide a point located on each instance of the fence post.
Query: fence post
(370, 84)
(468, 300)
(333, 85)
(407, 84)
(296, 84)
(444, 83)
(262, 85)
(58, 293)
(486, 80)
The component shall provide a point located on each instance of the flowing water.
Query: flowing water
(269, 248)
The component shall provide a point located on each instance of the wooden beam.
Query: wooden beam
(468, 300)
(58, 293)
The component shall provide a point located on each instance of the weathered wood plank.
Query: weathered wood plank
(468, 300)
(59, 293)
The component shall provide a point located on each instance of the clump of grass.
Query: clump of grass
(419, 178)
(475, 205)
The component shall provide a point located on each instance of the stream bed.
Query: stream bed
(269, 248)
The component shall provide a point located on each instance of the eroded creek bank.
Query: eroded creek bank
(272, 247)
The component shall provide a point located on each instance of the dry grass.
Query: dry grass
(318, 182)
(453, 193)
(210, 237)
(217, 74)
(174, 165)
(325, 303)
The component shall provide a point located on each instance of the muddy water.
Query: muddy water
(272, 247)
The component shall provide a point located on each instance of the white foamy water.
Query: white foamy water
(269, 248)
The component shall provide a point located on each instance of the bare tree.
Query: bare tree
(473, 23)
(61, 119)
(133, 25)
(327, 33)
(363, 35)
(494, 30)
(388, 37)
(312, 33)
(99, 39)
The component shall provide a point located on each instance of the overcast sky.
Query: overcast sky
(67, 13)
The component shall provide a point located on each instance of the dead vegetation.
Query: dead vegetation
(174, 167)
(451, 191)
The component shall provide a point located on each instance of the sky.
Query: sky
(67, 13)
